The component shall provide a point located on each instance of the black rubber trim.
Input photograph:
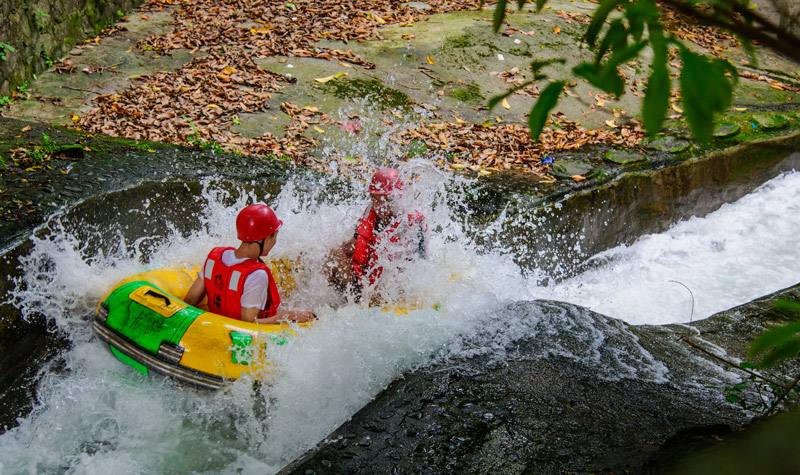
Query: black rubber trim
(102, 312)
(170, 353)
(188, 376)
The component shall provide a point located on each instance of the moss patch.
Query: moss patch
(724, 130)
(372, 90)
(458, 42)
(623, 157)
(467, 93)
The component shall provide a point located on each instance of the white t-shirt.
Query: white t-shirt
(255, 286)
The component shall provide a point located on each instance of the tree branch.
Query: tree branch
(784, 42)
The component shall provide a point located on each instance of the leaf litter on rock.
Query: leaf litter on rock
(200, 101)
(509, 146)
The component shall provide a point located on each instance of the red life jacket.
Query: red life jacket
(364, 255)
(225, 285)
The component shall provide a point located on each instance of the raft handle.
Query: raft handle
(155, 294)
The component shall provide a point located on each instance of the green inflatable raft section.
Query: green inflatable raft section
(143, 325)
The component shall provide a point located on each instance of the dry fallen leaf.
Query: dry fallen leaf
(430, 60)
(331, 77)
(557, 29)
(264, 30)
(578, 178)
(505, 104)
(25, 129)
(378, 19)
(676, 108)
(611, 124)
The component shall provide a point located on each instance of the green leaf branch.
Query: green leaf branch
(706, 83)
(5, 50)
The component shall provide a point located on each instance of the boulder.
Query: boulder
(580, 392)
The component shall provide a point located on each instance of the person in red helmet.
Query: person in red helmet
(355, 264)
(237, 282)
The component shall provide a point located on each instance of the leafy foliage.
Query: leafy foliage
(547, 100)
(40, 19)
(781, 342)
(706, 83)
(196, 141)
(706, 90)
(5, 49)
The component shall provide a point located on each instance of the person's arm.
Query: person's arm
(346, 249)
(196, 292)
(298, 315)
(338, 265)
(283, 315)
(255, 298)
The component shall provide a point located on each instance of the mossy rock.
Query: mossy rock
(466, 93)
(771, 121)
(371, 89)
(569, 168)
(669, 144)
(724, 130)
(623, 157)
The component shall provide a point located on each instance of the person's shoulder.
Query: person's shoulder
(228, 256)
(258, 276)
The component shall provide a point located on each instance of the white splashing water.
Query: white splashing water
(740, 252)
(98, 416)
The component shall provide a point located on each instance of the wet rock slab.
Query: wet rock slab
(87, 166)
(584, 393)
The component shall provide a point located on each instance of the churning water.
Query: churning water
(742, 251)
(94, 415)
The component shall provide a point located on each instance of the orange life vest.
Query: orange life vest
(367, 239)
(225, 285)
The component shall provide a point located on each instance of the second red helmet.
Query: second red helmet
(256, 223)
(386, 181)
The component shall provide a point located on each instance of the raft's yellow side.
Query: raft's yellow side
(207, 342)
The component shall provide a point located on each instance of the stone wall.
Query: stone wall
(42, 31)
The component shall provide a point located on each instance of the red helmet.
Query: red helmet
(256, 223)
(386, 181)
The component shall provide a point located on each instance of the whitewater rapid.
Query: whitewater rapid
(95, 415)
(740, 252)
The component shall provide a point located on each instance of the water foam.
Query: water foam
(97, 415)
(324, 376)
(742, 251)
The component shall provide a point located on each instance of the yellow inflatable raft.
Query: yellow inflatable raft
(148, 326)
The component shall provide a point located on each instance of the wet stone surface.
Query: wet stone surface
(627, 402)
(92, 165)
(441, 68)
